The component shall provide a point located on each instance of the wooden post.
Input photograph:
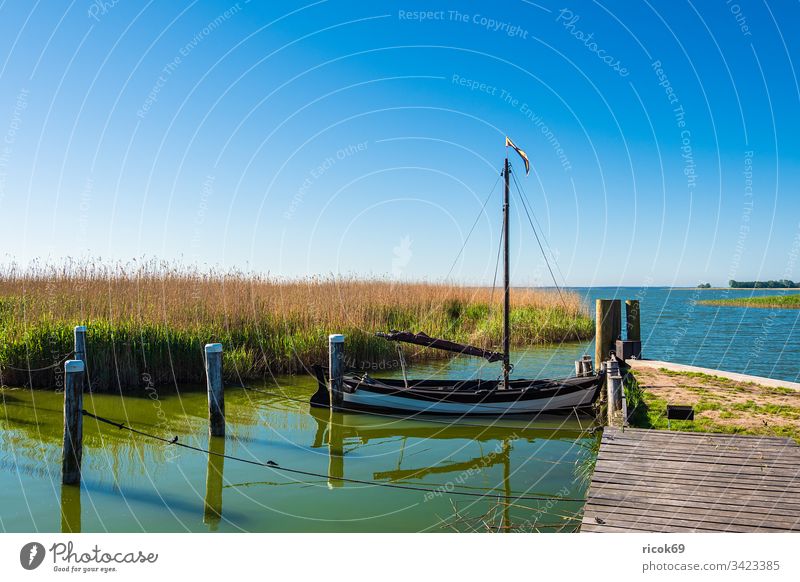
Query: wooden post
(80, 351)
(616, 322)
(614, 389)
(632, 328)
(612, 375)
(336, 369)
(608, 327)
(216, 395)
(80, 343)
(602, 338)
(587, 366)
(73, 422)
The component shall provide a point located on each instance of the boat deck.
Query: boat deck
(667, 481)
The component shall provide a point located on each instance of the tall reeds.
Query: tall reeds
(147, 322)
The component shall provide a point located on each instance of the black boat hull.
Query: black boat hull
(462, 397)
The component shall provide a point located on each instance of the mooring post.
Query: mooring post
(616, 322)
(73, 422)
(614, 388)
(587, 366)
(80, 343)
(216, 395)
(632, 327)
(602, 339)
(579, 368)
(613, 382)
(336, 369)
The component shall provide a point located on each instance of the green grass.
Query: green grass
(649, 411)
(770, 301)
(782, 410)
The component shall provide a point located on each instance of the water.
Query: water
(677, 328)
(132, 483)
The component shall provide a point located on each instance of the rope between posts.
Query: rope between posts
(50, 367)
(277, 467)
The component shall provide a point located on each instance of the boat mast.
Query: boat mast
(506, 283)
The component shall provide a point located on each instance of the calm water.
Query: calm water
(135, 484)
(677, 328)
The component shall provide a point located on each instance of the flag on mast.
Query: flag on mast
(521, 153)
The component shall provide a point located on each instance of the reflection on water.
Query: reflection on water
(212, 512)
(131, 483)
(70, 509)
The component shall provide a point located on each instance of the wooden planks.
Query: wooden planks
(663, 481)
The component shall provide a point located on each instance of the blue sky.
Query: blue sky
(363, 138)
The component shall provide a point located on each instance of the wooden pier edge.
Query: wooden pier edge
(669, 481)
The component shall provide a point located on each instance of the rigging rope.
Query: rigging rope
(51, 366)
(496, 268)
(276, 467)
(541, 248)
(474, 224)
(541, 229)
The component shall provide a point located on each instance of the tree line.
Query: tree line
(781, 284)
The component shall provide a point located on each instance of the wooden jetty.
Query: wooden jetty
(667, 481)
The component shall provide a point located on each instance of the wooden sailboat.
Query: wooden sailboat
(362, 392)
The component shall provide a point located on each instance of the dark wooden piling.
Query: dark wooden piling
(586, 365)
(608, 324)
(614, 390)
(80, 343)
(74, 372)
(216, 394)
(616, 322)
(632, 326)
(336, 369)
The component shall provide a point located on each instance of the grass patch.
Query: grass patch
(151, 321)
(773, 301)
(712, 411)
(697, 375)
(785, 411)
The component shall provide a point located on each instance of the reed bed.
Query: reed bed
(791, 301)
(148, 321)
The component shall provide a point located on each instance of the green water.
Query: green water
(132, 483)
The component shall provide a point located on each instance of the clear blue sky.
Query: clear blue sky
(359, 138)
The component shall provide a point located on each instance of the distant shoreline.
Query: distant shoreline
(772, 289)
